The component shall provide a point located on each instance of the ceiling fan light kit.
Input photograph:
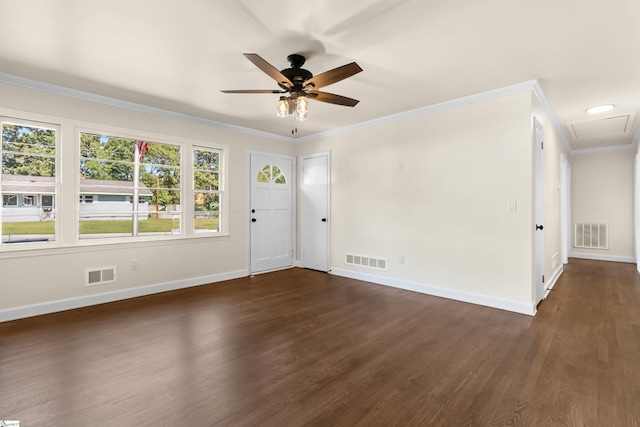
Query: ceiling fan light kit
(301, 85)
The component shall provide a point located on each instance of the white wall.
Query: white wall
(435, 189)
(603, 193)
(60, 272)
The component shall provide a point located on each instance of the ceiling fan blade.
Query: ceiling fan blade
(269, 69)
(333, 76)
(333, 98)
(254, 91)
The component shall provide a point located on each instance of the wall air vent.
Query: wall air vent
(591, 236)
(366, 261)
(99, 276)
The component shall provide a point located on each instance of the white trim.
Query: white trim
(598, 257)
(636, 209)
(554, 278)
(601, 149)
(454, 103)
(114, 102)
(538, 235)
(565, 207)
(531, 85)
(487, 301)
(294, 201)
(542, 98)
(89, 300)
(301, 185)
(89, 246)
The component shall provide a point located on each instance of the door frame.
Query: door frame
(565, 207)
(302, 236)
(294, 203)
(540, 290)
(636, 210)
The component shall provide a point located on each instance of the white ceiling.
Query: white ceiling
(178, 55)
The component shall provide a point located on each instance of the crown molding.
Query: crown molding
(458, 102)
(114, 102)
(542, 98)
(631, 146)
(532, 85)
(603, 149)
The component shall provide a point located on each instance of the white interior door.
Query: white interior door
(636, 173)
(538, 155)
(565, 208)
(315, 211)
(271, 212)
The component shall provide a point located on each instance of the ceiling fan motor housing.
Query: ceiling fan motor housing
(296, 74)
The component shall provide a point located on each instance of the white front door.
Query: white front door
(271, 212)
(315, 211)
(538, 156)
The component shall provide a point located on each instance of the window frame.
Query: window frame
(220, 191)
(187, 146)
(66, 197)
(36, 121)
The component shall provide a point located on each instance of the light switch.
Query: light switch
(512, 206)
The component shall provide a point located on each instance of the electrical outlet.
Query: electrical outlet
(135, 264)
(401, 259)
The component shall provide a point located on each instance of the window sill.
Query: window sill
(89, 245)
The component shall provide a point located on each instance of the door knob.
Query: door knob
(253, 211)
(324, 219)
(253, 220)
(539, 227)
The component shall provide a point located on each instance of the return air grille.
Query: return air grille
(591, 236)
(366, 261)
(100, 276)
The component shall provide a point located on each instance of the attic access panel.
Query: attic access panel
(598, 128)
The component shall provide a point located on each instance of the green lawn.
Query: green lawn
(150, 225)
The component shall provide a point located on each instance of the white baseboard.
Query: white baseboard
(554, 278)
(598, 257)
(503, 304)
(298, 263)
(85, 301)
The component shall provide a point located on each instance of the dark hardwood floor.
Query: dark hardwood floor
(298, 347)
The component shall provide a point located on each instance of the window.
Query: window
(206, 189)
(28, 173)
(146, 173)
(271, 174)
(9, 200)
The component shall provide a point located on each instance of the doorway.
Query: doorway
(565, 208)
(315, 221)
(538, 202)
(271, 212)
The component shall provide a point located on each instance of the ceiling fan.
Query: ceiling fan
(301, 85)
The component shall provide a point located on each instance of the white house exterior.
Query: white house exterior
(32, 198)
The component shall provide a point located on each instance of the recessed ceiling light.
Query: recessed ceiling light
(600, 109)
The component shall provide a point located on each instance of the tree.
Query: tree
(206, 165)
(160, 171)
(28, 150)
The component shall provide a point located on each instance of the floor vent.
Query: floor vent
(591, 236)
(100, 276)
(366, 261)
